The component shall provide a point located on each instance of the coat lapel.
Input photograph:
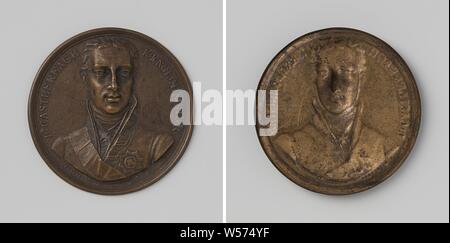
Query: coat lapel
(89, 160)
(123, 135)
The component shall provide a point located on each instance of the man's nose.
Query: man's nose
(336, 81)
(113, 85)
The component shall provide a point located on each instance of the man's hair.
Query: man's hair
(104, 42)
(357, 52)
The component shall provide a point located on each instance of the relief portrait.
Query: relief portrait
(347, 111)
(336, 143)
(100, 111)
(112, 144)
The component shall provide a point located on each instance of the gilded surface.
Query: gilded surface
(348, 111)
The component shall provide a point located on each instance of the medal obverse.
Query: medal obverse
(99, 111)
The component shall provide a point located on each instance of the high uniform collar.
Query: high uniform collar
(116, 123)
(340, 127)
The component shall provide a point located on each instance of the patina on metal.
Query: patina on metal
(348, 111)
(99, 111)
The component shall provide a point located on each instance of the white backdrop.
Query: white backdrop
(418, 30)
(257, 30)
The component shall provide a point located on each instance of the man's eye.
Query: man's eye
(100, 72)
(124, 73)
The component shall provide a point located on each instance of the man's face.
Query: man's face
(338, 80)
(110, 79)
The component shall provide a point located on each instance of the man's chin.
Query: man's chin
(335, 109)
(113, 109)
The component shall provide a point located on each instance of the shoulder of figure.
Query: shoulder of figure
(59, 144)
(79, 136)
(149, 135)
(372, 134)
(161, 143)
(283, 139)
(157, 142)
(299, 136)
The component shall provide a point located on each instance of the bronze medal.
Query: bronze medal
(348, 111)
(99, 111)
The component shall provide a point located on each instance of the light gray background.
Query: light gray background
(30, 30)
(418, 30)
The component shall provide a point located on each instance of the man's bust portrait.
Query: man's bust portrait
(335, 143)
(113, 144)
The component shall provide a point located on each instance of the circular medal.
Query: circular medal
(348, 111)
